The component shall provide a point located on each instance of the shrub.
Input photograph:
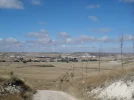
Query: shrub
(3, 61)
(93, 60)
(49, 65)
(24, 61)
(36, 61)
(26, 91)
(29, 60)
(16, 60)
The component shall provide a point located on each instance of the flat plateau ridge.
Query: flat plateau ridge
(52, 95)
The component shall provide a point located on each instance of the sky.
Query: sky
(66, 25)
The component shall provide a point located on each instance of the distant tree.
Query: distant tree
(24, 61)
(16, 60)
(93, 60)
(84, 60)
(59, 56)
(21, 59)
(36, 60)
(3, 60)
(29, 60)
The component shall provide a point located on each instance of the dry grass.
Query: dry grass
(92, 82)
(11, 97)
(46, 77)
(108, 76)
(79, 87)
(26, 93)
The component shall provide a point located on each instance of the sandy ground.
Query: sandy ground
(52, 95)
(119, 90)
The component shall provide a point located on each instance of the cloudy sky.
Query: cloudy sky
(66, 25)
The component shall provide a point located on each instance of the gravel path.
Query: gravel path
(52, 95)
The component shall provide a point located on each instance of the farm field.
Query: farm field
(40, 77)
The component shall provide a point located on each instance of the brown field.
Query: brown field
(47, 77)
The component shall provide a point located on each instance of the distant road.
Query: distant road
(96, 68)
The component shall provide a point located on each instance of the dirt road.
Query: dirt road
(52, 95)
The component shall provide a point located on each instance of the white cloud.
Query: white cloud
(9, 42)
(105, 39)
(127, 1)
(1, 39)
(63, 35)
(79, 40)
(93, 18)
(128, 37)
(84, 39)
(41, 34)
(99, 30)
(69, 40)
(43, 42)
(41, 38)
(63, 46)
(36, 2)
(93, 6)
(14, 4)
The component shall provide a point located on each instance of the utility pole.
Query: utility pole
(82, 69)
(133, 45)
(99, 56)
(121, 46)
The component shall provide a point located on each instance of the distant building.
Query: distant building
(47, 59)
(12, 56)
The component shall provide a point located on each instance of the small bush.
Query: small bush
(93, 60)
(24, 62)
(49, 65)
(36, 61)
(29, 60)
(16, 60)
(3, 61)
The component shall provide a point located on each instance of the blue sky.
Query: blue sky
(65, 25)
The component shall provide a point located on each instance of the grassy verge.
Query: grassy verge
(80, 87)
(25, 93)
(11, 97)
